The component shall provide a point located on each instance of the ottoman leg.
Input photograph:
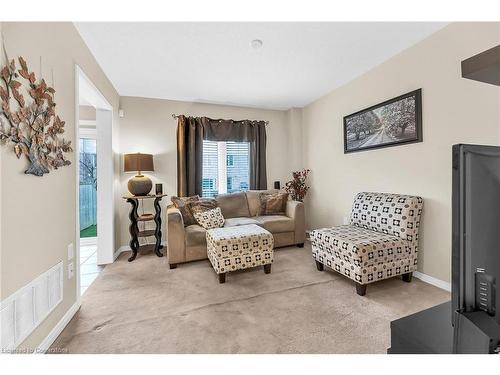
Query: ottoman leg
(267, 268)
(361, 289)
(319, 266)
(222, 278)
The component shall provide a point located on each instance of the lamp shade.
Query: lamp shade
(138, 163)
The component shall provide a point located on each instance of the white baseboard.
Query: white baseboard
(56, 331)
(119, 251)
(123, 248)
(433, 281)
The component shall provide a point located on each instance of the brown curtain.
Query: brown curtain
(189, 155)
(190, 135)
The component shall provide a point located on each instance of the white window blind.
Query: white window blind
(210, 170)
(225, 167)
(237, 163)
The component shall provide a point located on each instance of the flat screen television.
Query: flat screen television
(476, 230)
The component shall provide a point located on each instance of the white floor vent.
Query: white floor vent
(24, 310)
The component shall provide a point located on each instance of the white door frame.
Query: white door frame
(105, 171)
(105, 187)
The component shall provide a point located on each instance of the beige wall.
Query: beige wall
(455, 110)
(2, 63)
(148, 126)
(86, 112)
(294, 137)
(38, 214)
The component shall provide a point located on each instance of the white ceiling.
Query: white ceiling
(214, 62)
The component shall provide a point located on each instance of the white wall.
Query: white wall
(86, 112)
(38, 214)
(148, 127)
(2, 63)
(455, 110)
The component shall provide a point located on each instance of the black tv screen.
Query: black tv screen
(476, 229)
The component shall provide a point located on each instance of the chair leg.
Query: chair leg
(407, 277)
(319, 266)
(267, 268)
(172, 266)
(361, 289)
(300, 245)
(222, 278)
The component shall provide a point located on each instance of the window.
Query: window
(88, 162)
(225, 167)
(237, 164)
(210, 170)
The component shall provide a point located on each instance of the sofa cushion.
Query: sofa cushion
(233, 205)
(273, 204)
(181, 203)
(276, 223)
(195, 235)
(201, 205)
(394, 214)
(253, 198)
(237, 221)
(359, 246)
(210, 219)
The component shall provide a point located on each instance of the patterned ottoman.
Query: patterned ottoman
(234, 248)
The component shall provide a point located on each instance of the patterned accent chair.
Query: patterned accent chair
(380, 242)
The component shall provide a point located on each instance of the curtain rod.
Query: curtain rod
(177, 116)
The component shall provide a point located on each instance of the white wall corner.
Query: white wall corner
(120, 250)
(294, 133)
(56, 331)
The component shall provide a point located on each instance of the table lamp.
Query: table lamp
(140, 184)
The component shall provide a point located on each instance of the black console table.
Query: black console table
(135, 218)
(426, 332)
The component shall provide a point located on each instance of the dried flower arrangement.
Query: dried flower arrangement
(32, 127)
(297, 187)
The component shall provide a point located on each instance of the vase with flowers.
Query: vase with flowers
(297, 187)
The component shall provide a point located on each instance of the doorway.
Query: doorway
(89, 269)
(95, 179)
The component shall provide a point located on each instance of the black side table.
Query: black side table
(135, 218)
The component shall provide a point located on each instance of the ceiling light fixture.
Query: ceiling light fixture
(256, 43)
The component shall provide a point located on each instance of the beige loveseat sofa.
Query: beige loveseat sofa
(186, 244)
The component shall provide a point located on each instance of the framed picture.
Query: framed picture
(391, 123)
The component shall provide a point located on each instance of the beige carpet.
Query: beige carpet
(144, 307)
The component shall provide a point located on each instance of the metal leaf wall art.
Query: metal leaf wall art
(31, 125)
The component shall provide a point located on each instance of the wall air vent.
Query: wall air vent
(25, 309)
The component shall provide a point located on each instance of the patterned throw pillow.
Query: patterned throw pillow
(273, 204)
(202, 205)
(210, 219)
(182, 205)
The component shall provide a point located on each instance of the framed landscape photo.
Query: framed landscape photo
(391, 123)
